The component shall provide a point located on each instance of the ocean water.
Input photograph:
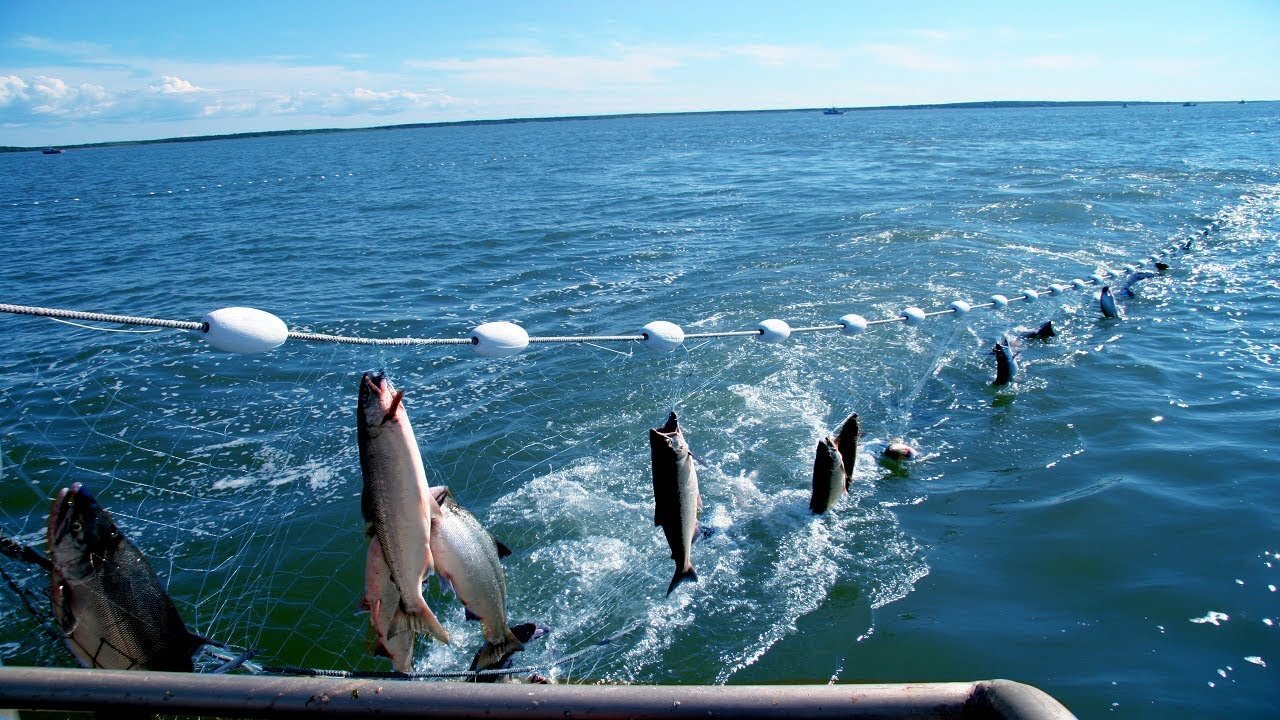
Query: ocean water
(1105, 528)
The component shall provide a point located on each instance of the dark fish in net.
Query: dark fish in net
(111, 609)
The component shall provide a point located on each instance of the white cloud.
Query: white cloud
(44, 100)
(43, 96)
(171, 85)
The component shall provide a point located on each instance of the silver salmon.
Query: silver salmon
(468, 561)
(112, 610)
(828, 477)
(395, 501)
(1006, 362)
(676, 498)
(833, 466)
(847, 444)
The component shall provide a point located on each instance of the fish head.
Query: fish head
(81, 533)
(380, 404)
(678, 446)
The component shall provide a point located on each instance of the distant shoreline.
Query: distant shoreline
(507, 121)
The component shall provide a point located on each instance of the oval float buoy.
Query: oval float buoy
(854, 324)
(1032, 295)
(960, 307)
(499, 339)
(1078, 284)
(774, 331)
(244, 330)
(999, 301)
(912, 315)
(662, 336)
(1057, 289)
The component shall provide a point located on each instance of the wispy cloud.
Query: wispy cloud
(58, 47)
(791, 56)
(912, 58)
(555, 72)
(1062, 62)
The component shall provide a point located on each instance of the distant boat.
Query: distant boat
(52, 151)
(833, 111)
(1188, 104)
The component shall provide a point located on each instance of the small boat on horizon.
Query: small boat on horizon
(833, 111)
(52, 151)
(1188, 104)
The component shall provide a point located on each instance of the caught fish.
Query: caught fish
(847, 444)
(1133, 278)
(112, 610)
(833, 466)
(468, 561)
(1006, 362)
(828, 477)
(675, 493)
(392, 636)
(396, 504)
(899, 450)
(1107, 302)
(1044, 332)
(523, 632)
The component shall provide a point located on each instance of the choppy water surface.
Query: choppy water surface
(1104, 528)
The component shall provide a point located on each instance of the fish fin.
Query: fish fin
(395, 405)
(439, 492)
(681, 575)
(470, 615)
(424, 623)
(494, 655)
(671, 426)
(503, 550)
(699, 502)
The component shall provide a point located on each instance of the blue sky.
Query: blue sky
(73, 72)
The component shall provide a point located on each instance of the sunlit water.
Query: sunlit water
(1104, 528)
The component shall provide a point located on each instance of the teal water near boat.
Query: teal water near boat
(1102, 528)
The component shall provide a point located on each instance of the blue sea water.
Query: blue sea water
(1104, 528)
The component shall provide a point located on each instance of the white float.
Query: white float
(244, 330)
(960, 307)
(999, 301)
(1032, 295)
(499, 339)
(774, 330)
(854, 324)
(662, 336)
(1098, 279)
(1079, 284)
(1057, 289)
(1129, 268)
(912, 315)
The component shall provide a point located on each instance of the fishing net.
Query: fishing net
(238, 476)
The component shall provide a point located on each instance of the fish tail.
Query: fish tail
(687, 573)
(492, 655)
(425, 622)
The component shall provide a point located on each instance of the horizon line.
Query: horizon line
(976, 104)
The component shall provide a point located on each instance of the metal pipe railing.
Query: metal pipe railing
(139, 693)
